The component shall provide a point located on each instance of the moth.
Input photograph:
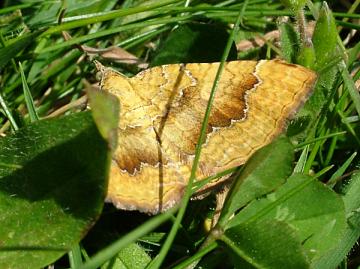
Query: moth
(161, 112)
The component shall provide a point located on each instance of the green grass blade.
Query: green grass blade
(28, 98)
(166, 246)
(341, 170)
(122, 28)
(300, 165)
(8, 113)
(4, 10)
(323, 171)
(348, 125)
(14, 46)
(350, 85)
(300, 145)
(196, 257)
(107, 16)
(75, 259)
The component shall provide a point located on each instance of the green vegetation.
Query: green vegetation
(294, 204)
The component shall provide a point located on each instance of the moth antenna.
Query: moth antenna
(99, 66)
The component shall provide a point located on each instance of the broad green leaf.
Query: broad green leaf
(105, 111)
(313, 210)
(133, 256)
(289, 39)
(325, 38)
(269, 244)
(306, 55)
(351, 197)
(352, 233)
(266, 170)
(52, 188)
(292, 49)
(327, 56)
(194, 43)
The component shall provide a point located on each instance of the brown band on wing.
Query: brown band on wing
(230, 103)
(282, 90)
(136, 146)
(183, 123)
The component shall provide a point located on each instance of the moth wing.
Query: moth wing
(251, 106)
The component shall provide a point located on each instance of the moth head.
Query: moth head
(116, 84)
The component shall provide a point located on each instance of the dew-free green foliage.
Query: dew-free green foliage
(320, 56)
(52, 189)
(273, 162)
(132, 256)
(290, 42)
(105, 112)
(352, 233)
(28, 98)
(266, 244)
(294, 204)
(314, 212)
